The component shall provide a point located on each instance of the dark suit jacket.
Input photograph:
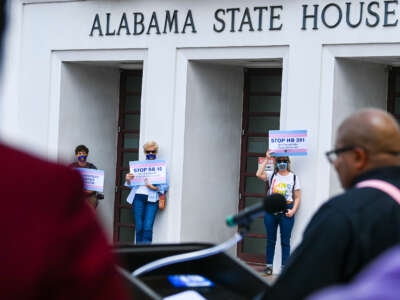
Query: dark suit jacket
(346, 234)
(52, 246)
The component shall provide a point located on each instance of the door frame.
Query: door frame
(252, 257)
(394, 73)
(119, 182)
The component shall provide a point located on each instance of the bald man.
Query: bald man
(351, 229)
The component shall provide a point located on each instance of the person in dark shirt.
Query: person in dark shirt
(81, 155)
(351, 229)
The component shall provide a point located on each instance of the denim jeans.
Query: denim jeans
(286, 225)
(144, 213)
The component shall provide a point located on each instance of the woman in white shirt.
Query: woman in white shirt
(286, 183)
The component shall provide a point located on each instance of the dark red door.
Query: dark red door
(261, 113)
(128, 150)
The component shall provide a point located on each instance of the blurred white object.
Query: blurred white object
(188, 295)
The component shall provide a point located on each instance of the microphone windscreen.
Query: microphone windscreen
(275, 203)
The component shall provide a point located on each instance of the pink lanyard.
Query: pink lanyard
(383, 186)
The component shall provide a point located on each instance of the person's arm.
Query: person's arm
(163, 188)
(296, 202)
(261, 170)
(151, 186)
(320, 258)
(128, 179)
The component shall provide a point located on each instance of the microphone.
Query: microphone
(276, 203)
(273, 204)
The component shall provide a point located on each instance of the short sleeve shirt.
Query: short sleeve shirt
(283, 185)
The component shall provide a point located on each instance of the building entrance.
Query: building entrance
(127, 150)
(261, 113)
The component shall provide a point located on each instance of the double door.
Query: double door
(261, 113)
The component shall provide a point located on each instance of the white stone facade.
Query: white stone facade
(62, 72)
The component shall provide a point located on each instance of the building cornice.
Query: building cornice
(47, 1)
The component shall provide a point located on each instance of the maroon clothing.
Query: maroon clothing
(52, 246)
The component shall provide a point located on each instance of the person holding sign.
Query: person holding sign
(81, 154)
(144, 197)
(281, 180)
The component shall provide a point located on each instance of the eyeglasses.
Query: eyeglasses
(150, 151)
(333, 154)
(282, 161)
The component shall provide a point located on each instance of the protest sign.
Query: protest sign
(93, 180)
(288, 143)
(154, 170)
(269, 166)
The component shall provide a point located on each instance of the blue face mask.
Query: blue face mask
(282, 166)
(82, 158)
(151, 156)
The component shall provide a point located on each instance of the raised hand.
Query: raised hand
(129, 177)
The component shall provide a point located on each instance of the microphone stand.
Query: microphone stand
(174, 259)
(243, 228)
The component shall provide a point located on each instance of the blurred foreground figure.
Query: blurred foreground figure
(379, 281)
(52, 247)
(351, 229)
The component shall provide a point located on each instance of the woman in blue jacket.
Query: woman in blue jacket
(144, 200)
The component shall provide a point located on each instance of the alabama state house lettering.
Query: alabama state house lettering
(316, 16)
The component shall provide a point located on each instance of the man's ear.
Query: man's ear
(360, 158)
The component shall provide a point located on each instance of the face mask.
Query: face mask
(151, 156)
(82, 158)
(282, 166)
